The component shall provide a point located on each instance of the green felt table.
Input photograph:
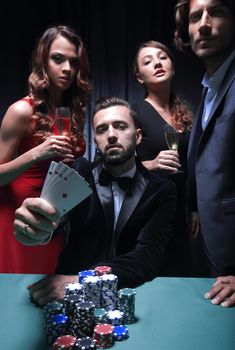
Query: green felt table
(171, 315)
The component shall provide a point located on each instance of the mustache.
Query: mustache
(204, 38)
(112, 146)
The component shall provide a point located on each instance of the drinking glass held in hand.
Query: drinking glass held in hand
(62, 121)
(172, 139)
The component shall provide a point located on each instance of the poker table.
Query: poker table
(171, 315)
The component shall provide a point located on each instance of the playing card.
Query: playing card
(49, 176)
(67, 190)
(55, 172)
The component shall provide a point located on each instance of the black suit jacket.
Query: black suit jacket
(211, 168)
(136, 249)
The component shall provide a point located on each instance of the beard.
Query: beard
(117, 157)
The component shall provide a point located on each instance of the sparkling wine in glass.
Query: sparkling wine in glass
(62, 121)
(172, 139)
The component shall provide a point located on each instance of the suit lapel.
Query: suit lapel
(229, 77)
(131, 200)
(197, 133)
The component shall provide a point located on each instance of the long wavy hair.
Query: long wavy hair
(182, 116)
(75, 97)
(181, 35)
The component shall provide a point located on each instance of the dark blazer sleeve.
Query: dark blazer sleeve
(144, 261)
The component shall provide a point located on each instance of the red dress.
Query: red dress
(15, 257)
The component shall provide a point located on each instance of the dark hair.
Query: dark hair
(182, 117)
(110, 101)
(75, 97)
(181, 36)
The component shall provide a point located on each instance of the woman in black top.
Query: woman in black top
(154, 69)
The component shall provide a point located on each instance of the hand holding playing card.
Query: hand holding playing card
(64, 188)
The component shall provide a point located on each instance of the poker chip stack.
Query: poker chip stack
(120, 333)
(84, 319)
(109, 291)
(103, 270)
(93, 312)
(56, 327)
(70, 305)
(86, 343)
(103, 334)
(100, 315)
(85, 273)
(126, 303)
(52, 308)
(74, 289)
(70, 302)
(92, 289)
(65, 342)
(115, 317)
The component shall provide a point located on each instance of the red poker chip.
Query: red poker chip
(103, 329)
(103, 335)
(101, 270)
(64, 342)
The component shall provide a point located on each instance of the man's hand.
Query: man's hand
(51, 287)
(34, 221)
(223, 291)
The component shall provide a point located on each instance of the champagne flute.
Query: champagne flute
(172, 139)
(62, 121)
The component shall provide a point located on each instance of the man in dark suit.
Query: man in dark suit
(127, 229)
(208, 28)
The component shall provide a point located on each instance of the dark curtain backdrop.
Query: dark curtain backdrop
(112, 31)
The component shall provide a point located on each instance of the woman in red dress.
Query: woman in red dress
(28, 140)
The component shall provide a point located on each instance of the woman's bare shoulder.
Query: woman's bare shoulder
(19, 111)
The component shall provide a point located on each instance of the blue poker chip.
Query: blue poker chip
(120, 333)
(85, 273)
(58, 320)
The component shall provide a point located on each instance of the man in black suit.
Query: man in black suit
(127, 229)
(208, 28)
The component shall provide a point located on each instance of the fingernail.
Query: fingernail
(224, 304)
(214, 301)
(207, 295)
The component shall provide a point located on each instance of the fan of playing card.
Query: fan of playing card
(64, 188)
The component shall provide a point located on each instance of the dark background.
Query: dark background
(112, 31)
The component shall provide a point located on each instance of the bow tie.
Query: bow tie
(106, 178)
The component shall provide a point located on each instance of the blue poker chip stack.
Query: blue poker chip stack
(120, 333)
(109, 291)
(85, 273)
(56, 327)
(52, 308)
(126, 303)
(92, 289)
